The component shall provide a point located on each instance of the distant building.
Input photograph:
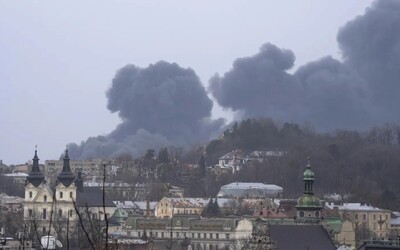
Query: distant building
(218, 170)
(137, 207)
(17, 177)
(365, 218)
(10, 204)
(197, 233)
(250, 190)
(237, 159)
(86, 167)
(174, 191)
(167, 207)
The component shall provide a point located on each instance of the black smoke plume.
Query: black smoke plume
(165, 104)
(359, 92)
(160, 105)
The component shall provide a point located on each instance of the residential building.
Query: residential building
(86, 167)
(167, 207)
(198, 233)
(365, 218)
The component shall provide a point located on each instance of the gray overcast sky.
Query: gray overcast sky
(57, 58)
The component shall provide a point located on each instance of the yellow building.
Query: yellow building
(167, 207)
(365, 219)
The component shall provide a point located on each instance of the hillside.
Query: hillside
(364, 164)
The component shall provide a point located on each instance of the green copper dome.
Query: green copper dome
(308, 201)
(308, 174)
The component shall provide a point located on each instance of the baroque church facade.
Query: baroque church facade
(56, 210)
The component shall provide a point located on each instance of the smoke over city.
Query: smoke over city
(360, 92)
(165, 104)
(159, 106)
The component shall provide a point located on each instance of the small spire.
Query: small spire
(66, 177)
(308, 162)
(35, 176)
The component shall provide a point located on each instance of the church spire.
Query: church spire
(308, 178)
(308, 205)
(35, 176)
(66, 177)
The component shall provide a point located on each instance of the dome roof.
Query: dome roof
(308, 201)
(308, 174)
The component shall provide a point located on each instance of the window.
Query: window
(60, 213)
(356, 216)
(374, 216)
(192, 235)
(45, 198)
(205, 235)
(44, 213)
(44, 230)
(177, 235)
(386, 217)
(217, 236)
(30, 212)
(30, 194)
(364, 216)
(227, 236)
(70, 213)
(162, 234)
(198, 235)
(211, 235)
(61, 195)
(70, 194)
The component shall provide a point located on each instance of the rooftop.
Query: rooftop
(354, 207)
(251, 185)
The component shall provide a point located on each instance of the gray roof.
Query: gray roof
(92, 197)
(377, 247)
(301, 237)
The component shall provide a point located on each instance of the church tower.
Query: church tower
(308, 205)
(65, 189)
(38, 199)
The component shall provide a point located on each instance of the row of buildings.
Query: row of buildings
(61, 209)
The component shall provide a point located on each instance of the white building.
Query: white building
(250, 190)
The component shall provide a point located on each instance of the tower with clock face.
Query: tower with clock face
(308, 205)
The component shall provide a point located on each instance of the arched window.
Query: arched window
(70, 194)
(61, 194)
(30, 194)
(45, 198)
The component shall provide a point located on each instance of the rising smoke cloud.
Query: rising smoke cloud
(159, 106)
(357, 93)
(165, 104)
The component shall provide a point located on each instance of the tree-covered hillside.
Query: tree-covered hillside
(364, 164)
